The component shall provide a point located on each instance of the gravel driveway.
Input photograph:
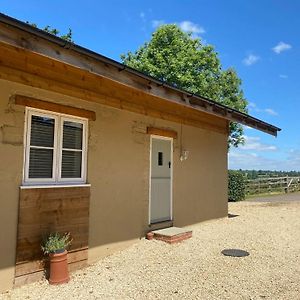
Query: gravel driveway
(196, 269)
(277, 198)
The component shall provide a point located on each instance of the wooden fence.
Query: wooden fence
(272, 185)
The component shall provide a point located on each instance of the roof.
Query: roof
(193, 100)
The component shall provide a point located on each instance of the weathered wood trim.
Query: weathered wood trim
(55, 107)
(42, 72)
(228, 127)
(162, 132)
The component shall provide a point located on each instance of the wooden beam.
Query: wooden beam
(32, 69)
(59, 108)
(167, 112)
(162, 132)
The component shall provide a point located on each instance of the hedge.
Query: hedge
(236, 186)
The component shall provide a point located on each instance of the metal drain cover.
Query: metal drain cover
(235, 252)
(232, 215)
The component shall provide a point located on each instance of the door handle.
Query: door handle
(169, 164)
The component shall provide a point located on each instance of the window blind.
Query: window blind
(40, 163)
(72, 150)
(41, 147)
(42, 131)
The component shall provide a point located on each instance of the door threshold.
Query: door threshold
(161, 225)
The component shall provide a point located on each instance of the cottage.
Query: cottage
(93, 147)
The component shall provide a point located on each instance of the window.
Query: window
(160, 158)
(55, 150)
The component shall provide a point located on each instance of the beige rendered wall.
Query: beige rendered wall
(11, 161)
(118, 171)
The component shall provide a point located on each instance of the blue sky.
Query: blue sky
(260, 39)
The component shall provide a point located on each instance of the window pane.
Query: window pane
(42, 131)
(71, 164)
(40, 163)
(72, 135)
(160, 158)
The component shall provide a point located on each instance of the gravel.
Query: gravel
(196, 269)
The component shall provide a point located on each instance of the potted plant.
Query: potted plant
(55, 245)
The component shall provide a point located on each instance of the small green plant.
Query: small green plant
(56, 242)
(54, 31)
(236, 186)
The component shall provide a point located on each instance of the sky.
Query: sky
(259, 39)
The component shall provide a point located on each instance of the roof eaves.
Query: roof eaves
(225, 111)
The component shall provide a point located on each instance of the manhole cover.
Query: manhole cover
(232, 215)
(235, 252)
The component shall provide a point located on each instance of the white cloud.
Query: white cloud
(280, 47)
(142, 15)
(249, 161)
(186, 26)
(253, 107)
(271, 112)
(288, 161)
(157, 23)
(251, 59)
(283, 76)
(254, 143)
(189, 26)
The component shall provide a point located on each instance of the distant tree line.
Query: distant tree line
(254, 174)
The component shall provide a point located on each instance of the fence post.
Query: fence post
(286, 189)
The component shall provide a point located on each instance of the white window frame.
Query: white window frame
(84, 150)
(57, 148)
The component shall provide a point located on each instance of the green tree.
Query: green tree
(185, 62)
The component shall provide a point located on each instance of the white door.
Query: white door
(161, 180)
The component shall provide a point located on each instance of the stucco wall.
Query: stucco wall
(118, 170)
(11, 156)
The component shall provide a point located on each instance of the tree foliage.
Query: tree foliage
(68, 36)
(236, 186)
(185, 62)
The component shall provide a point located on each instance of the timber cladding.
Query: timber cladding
(46, 210)
(162, 132)
(33, 69)
(59, 108)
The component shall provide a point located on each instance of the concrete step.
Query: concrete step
(170, 235)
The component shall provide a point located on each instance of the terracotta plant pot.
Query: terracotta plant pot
(59, 268)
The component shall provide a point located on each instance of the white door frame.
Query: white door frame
(152, 136)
